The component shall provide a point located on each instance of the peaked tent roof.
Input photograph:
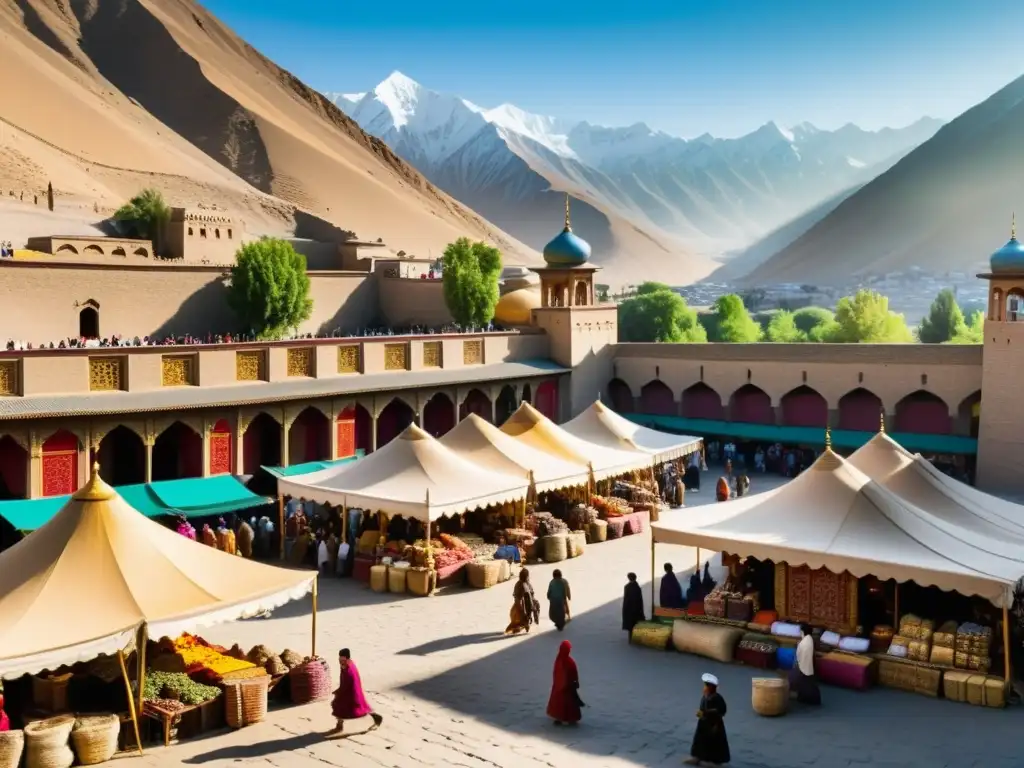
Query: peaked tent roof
(834, 516)
(600, 424)
(414, 475)
(82, 584)
(484, 444)
(536, 430)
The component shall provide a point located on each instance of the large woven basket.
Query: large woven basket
(577, 543)
(483, 575)
(245, 702)
(599, 531)
(556, 548)
(396, 580)
(95, 738)
(769, 696)
(46, 743)
(12, 744)
(379, 578)
(310, 681)
(51, 693)
(418, 581)
(651, 634)
(713, 641)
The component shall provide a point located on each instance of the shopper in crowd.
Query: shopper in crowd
(632, 605)
(742, 485)
(525, 608)
(802, 679)
(671, 591)
(349, 701)
(696, 593)
(244, 537)
(564, 704)
(710, 744)
(693, 472)
(559, 596)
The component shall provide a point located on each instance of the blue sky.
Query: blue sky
(723, 66)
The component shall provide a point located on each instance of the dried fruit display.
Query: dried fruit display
(187, 691)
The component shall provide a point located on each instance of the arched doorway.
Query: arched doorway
(221, 449)
(60, 464)
(702, 402)
(13, 469)
(804, 407)
(621, 396)
(345, 423)
(969, 414)
(505, 405)
(89, 322)
(364, 430)
(395, 417)
(177, 453)
(527, 394)
(309, 438)
(122, 457)
(751, 405)
(547, 399)
(261, 444)
(923, 413)
(657, 399)
(438, 415)
(580, 299)
(860, 410)
(479, 403)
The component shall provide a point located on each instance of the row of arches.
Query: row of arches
(97, 250)
(919, 412)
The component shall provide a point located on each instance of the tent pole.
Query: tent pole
(431, 575)
(1006, 644)
(652, 574)
(698, 559)
(131, 700)
(316, 580)
(140, 643)
(280, 523)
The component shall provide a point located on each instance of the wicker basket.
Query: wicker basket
(599, 531)
(577, 543)
(418, 581)
(651, 634)
(713, 641)
(769, 696)
(483, 575)
(616, 526)
(379, 578)
(95, 738)
(245, 702)
(556, 548)
(12, 744)
(51, 693)
(310, 681)
(46, 743)
(396, 580)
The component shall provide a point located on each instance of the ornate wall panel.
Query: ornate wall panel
(396, 357)
(106, 374)
(300, 362)
(473, 352)
(432, 354)
(251, 366)
(9, 377)
(178, 370)
(348, 358)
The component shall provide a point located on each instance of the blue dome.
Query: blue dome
(567, 250)
(1009, 258)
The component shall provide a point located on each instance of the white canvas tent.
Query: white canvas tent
(487, 446)
(834, 516)
(414, 476)
(602, 426)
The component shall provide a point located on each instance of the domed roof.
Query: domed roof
(1009, 258)
(567, 250)
(516, 307)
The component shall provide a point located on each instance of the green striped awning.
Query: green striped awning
(312, 466)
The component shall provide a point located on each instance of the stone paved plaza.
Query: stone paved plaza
(456, 692)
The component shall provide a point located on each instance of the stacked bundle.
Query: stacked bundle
(547, 524)
(609, 506)
(943, 643)
(919, 632)
(973, 647)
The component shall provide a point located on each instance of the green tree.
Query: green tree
(660, 315)
(734, 322)
(470, 279)
(651, 287)
(865, 318)
(944, 320)
(808, 319)
(973, 331)
(782, 329)
(269, 289)
(145, 216)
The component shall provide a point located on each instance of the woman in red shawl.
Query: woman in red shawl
(564, 703)
(349, 701)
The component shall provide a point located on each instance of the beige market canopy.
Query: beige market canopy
(531, 427)
(487, 446)
(414, 476)
(84, 583)
(601, 425)
(834, 516)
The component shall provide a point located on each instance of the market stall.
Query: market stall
(825, 540)
(92, 584)
(602, 426)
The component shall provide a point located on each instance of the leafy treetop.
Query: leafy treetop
(470, 272)
(944, 321)
(734, 321)
(269, 289)
(657, 313)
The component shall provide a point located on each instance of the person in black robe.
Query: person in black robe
(710, 744)
(632, 605)
(695, 594)
(709, 584)
(671, 591)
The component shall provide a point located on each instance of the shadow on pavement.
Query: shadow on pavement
(259, 749)
(450, 643)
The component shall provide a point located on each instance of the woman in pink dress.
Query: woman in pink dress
(349, 701)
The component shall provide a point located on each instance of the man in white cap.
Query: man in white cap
(710, 744)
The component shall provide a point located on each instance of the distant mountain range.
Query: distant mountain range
(650, 203)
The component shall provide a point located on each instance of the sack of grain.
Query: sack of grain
(712, 641)
(556, 548)
(945, 636)
(942, 656)
(954, 685)
(651, 635)
(599, 531)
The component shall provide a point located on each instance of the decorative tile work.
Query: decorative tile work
(473, 352)
(8, 377)
(300, 362)
(60, 473)
(105, 374)
(346, 438)
(178, 371)
(220, 453)
(396, 357)
(250, 366)
(348, 358)
(432, 354)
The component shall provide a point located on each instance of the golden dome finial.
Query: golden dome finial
(95, 489)
(828, 438)
(881, 421)
(1013, 224)
(568, 226)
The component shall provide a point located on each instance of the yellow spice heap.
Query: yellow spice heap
(193, 652)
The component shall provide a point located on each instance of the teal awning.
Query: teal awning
(814, 436)
(312, 466)
(192, 497)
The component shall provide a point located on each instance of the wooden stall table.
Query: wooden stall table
(168, 719)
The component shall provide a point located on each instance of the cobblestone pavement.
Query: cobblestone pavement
(455, 692)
